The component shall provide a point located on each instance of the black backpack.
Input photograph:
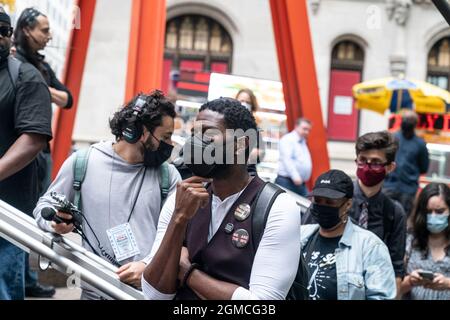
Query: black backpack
(264, 202)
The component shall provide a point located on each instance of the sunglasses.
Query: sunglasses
(6, 31)
(30, 16)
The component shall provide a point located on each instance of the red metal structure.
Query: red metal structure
(145, 65)
(64, 120)
(298, 74)
(146, 48)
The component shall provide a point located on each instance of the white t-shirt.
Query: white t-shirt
(276, 260)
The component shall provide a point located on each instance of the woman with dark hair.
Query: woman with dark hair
(427, 249)
(32, 33)
(248, 99)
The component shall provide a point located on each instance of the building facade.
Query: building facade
(353, 41)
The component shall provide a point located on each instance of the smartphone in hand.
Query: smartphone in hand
(428, 275)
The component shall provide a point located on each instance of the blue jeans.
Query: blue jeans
(12, 270)
(287, 183)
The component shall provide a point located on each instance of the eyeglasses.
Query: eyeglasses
(6, 31)
(371, 165)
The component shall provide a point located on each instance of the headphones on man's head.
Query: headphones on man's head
(133, 129)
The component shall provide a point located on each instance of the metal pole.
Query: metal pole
(298, 74)
(444, 8)
(64, 255)
(63, 262)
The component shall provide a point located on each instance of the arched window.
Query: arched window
(347, 62)
(439, 64)
(198, 43)
(347, 55)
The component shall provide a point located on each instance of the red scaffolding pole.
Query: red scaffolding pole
(146, 48)
(64, 120)
(298, 74)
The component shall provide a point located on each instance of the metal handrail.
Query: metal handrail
(64, 255)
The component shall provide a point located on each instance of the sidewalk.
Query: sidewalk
(63, 294)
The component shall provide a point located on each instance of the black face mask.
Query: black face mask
(155, 158)
(408, 127)
(327, 217)
(4, 52)
(195, 147)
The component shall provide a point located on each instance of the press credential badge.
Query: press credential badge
(123, 242)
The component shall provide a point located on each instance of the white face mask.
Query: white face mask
(247, 105)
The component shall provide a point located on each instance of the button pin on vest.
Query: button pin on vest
(229, 228)
(240, 238)
(242, 212)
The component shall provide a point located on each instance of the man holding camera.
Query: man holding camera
(25, 110)
(120, 195)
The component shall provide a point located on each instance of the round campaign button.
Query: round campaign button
(240, 238)
(242, 212)
(229, 228)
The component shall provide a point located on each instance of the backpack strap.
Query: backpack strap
(13, 69)
(264, 202)
(164, 181)
(79, 173)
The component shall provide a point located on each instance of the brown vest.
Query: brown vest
(220, 258)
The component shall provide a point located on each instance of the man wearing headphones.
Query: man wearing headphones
(121, 196)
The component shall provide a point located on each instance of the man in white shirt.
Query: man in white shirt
(294, 165)
(204, 246)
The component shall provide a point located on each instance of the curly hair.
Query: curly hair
(235, 116)
(420, 230)
(382, 140)
(155, 108)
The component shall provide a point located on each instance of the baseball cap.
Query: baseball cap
(333, 184)
(4, 17)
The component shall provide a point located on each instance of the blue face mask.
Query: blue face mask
(437, 223)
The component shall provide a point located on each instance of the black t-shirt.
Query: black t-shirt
(321, 261)
(26, 109)
(52, 81)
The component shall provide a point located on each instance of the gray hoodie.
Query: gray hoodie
(108, 192)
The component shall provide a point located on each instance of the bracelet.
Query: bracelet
(192, 267)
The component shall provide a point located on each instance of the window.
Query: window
(347, 55)
(439, 64)
(198, 41)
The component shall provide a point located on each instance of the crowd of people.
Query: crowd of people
(222, 232)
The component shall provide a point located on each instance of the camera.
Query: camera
(61, 204)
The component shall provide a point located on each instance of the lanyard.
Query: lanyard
(137, 194)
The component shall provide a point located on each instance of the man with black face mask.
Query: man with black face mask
(205, 247)
(345, 262)
(25, 113)
(122, 192)
(412, 161)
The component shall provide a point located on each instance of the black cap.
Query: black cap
(4, 17)
(333, 184)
